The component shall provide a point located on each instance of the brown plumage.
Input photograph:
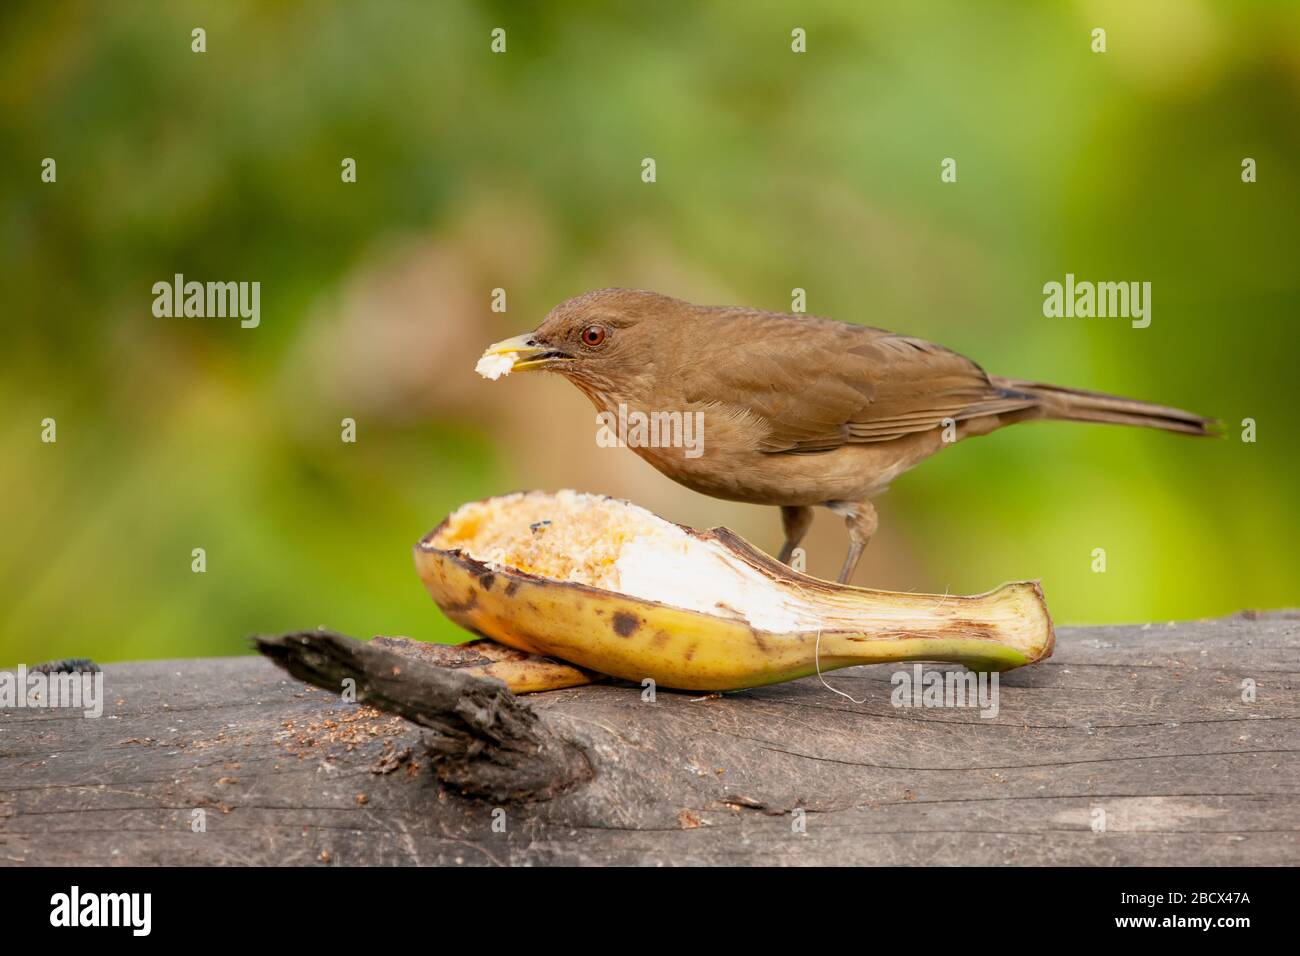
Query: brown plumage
(797, 410)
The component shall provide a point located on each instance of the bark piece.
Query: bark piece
(486, 742)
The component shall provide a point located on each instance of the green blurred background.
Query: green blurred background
(522, 171)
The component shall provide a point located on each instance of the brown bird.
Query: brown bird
(797, 410)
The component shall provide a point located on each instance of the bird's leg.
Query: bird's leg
(795, 519)
(860, 519)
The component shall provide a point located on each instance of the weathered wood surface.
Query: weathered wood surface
(1146, 724)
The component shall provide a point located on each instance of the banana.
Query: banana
(522, 673)
(612, 588)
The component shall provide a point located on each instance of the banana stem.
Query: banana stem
(999, 630)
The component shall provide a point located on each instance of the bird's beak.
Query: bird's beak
(527, 351)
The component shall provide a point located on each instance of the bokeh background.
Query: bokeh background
(522, 171)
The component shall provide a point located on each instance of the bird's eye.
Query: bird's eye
(593, 335)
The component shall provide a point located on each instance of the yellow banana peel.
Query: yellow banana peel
(523, 673)
(612, 588)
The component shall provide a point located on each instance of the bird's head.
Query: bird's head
(600, 340)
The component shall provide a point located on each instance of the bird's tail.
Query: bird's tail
(1077, 405)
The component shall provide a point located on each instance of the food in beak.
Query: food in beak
(495, 364)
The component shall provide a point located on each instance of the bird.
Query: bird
(798, 411)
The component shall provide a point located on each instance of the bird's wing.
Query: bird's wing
(817, 384)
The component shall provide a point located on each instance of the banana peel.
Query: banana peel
(523, 673)
(615, 590)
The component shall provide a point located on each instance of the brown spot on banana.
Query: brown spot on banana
(625, 624)
(460, 607)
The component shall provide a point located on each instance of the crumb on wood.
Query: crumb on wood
(390, 758)
(346, 728)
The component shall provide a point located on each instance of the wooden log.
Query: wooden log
(1131, 745)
